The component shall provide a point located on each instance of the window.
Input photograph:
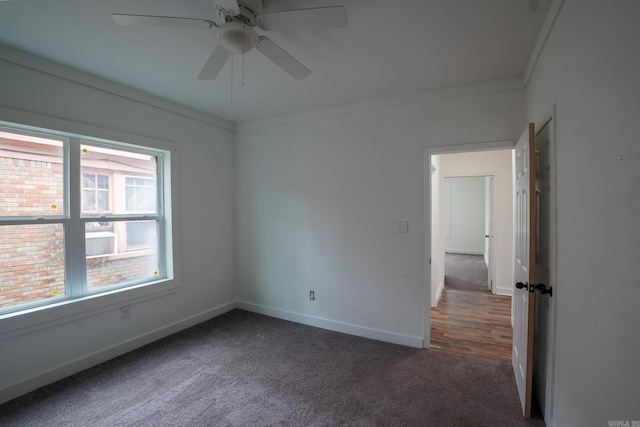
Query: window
(63, 238)
(95, 193)
(140, 198)
(141, 194)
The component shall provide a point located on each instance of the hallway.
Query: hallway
(470, 320)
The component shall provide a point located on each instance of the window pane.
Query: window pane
(88, 201)
(141, 234)
(103, 182)
(116, 174)
(129, 197)
(31, 176)
(88, 181)
(95, 193)
(140, 195)
(109, 259)
(103, 201)
(31, 263)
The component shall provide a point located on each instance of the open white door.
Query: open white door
(524, 269)
(544, 341)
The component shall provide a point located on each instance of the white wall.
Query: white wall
(499, 164)
(590, 68)
(318, 195)
(41, 93)
(464, 215)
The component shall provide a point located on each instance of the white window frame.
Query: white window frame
(79, 302)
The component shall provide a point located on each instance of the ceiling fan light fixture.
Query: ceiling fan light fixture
(237, 37)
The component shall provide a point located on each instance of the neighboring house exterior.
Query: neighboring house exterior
(31, 184)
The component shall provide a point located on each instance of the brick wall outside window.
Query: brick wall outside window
(32, 256)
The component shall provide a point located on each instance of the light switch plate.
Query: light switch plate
(401, 226)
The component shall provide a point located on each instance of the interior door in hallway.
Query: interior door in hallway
(524, 268)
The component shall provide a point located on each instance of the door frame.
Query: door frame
(488, 146)
(428, 152)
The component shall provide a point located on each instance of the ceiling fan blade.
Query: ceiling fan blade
(313, 18)
(281, 58)
(230, 6)
(214, 64)
(162, 21)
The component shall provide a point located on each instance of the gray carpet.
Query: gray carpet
(465, 272)
(244, 369)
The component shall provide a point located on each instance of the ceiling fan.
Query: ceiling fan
(236, 31)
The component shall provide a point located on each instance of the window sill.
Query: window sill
(120, 255)
(34, 319)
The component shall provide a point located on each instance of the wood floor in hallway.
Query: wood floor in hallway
(472, 322)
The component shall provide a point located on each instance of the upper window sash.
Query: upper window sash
(130, 199)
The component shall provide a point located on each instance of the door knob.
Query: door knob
(543, 289)
(521, 285)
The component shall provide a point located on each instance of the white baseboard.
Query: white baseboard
(464, 251)
(333, 325)
(505, 291)
(59, 372)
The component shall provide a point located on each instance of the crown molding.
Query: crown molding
(42, 65)
(389, 102)
(545, 32)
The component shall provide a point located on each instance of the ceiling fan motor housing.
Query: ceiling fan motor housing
(237, 37)
(247, 12)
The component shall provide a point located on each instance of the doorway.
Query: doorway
(479, 322)
(468, 232)
(546, 310)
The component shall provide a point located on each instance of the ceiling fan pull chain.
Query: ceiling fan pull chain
(243, 52)
(231, 99)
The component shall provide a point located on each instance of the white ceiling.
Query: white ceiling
(389, 48)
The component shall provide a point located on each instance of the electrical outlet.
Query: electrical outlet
(125, 312)
(312, 295)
